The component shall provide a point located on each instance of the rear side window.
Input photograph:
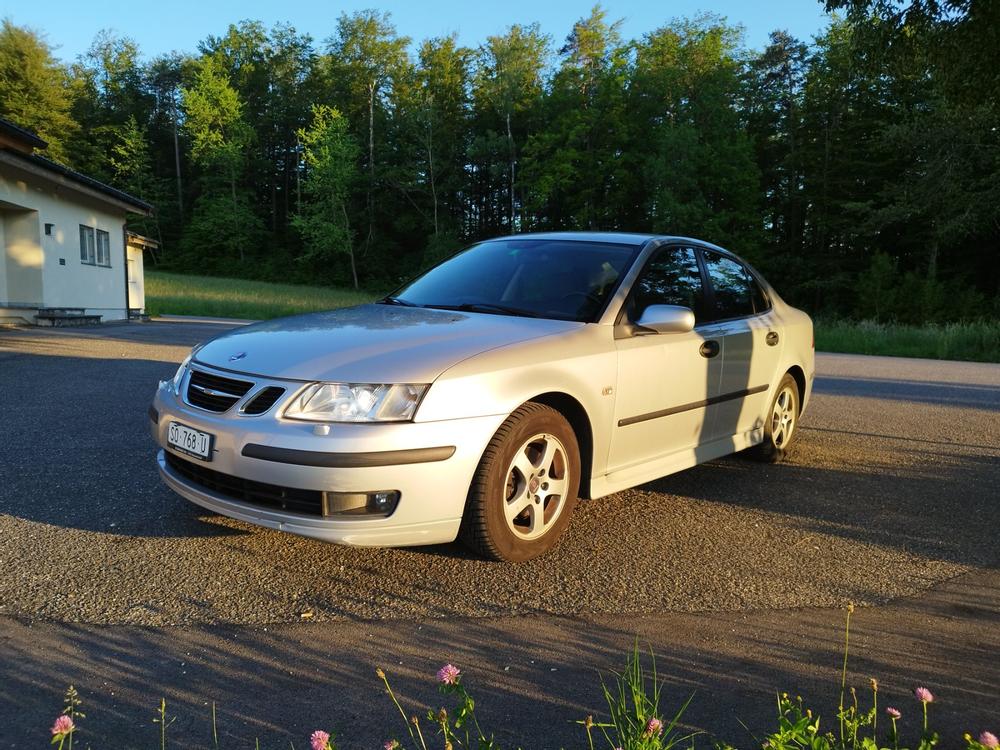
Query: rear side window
(670, 278)
(761, 303)
(731, 287)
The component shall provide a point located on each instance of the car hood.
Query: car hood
(369, 344)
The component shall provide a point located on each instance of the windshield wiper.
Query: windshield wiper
(396, 301)
(486, 307)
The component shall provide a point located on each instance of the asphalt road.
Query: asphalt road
(891, 496)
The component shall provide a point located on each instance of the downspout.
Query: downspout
(125, 256)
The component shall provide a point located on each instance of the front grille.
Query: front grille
(214, 392)
(263, 400)
(308, 502)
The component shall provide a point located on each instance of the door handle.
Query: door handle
(709, 349)
(771, 338)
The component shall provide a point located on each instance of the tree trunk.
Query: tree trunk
(298, 177)
(232, 191)
(371, 165)
(510, 144)
(430, 165)
(350, 246)
(177, 162)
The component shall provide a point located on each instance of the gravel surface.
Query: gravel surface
(892, 489)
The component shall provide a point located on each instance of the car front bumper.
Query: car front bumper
(430, 464)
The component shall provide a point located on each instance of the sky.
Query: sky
(158, 27)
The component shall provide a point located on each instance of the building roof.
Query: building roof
(17, 133)
(141, 240)
(26, 142)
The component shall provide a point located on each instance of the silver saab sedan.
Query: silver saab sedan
(481, 400)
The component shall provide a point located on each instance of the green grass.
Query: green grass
(974, 342)
(179, 294)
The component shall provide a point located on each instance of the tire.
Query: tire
(512, 512)
(781, 423)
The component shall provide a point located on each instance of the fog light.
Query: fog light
(380, 503)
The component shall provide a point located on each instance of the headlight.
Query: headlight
(354, 402)
(179, 375)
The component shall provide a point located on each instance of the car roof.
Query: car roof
(620, 238)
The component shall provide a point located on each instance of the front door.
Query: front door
(664, 380)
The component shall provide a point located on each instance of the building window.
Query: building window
(103, 248)
(95, 247)
(88, 253)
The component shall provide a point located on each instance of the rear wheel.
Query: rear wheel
(780, 423)
(524, 490)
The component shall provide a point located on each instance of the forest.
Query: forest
(858, 170)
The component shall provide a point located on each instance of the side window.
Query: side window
(733, 298)
(761, 303)
(87, 245)
(103, 248)
(670, 278)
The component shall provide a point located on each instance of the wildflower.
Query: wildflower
(989, 739)
(390, 745)
(874, 684)
(448, 674)
(442, 716)
(379, 673)
(589, 721)
(319, 740)
(850, 607)
(924, 695)
(654, 727)
(893, 713)
(63, 725)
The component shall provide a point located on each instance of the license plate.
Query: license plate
(190, 441)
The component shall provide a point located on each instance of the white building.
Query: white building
(64, 249)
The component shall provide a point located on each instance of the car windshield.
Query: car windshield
(543, 278)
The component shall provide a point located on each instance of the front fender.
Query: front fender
(581, 365)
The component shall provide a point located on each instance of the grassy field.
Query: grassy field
(177, 294)
(975, 342)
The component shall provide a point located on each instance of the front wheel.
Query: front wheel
(780, 423)
(524, 490)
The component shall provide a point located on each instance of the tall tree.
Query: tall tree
(330, 155)
(509, 86)
(36, 92)
(165, 74)
(772, 111)
(698, 173)
(573, 174)
(220, 138)
(112, 76)
(365, 57)
(443, 75)
(131, 166)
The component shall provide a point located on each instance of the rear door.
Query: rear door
(742, 317)
(666, 380)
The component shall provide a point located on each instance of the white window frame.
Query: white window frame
(103, 248)
(88, 246)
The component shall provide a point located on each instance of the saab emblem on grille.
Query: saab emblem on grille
(237, 356)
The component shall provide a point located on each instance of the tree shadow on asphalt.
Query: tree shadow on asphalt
(985, 397)
(532, 679)
(77, 452)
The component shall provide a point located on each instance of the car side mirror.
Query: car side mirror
(667, 319)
